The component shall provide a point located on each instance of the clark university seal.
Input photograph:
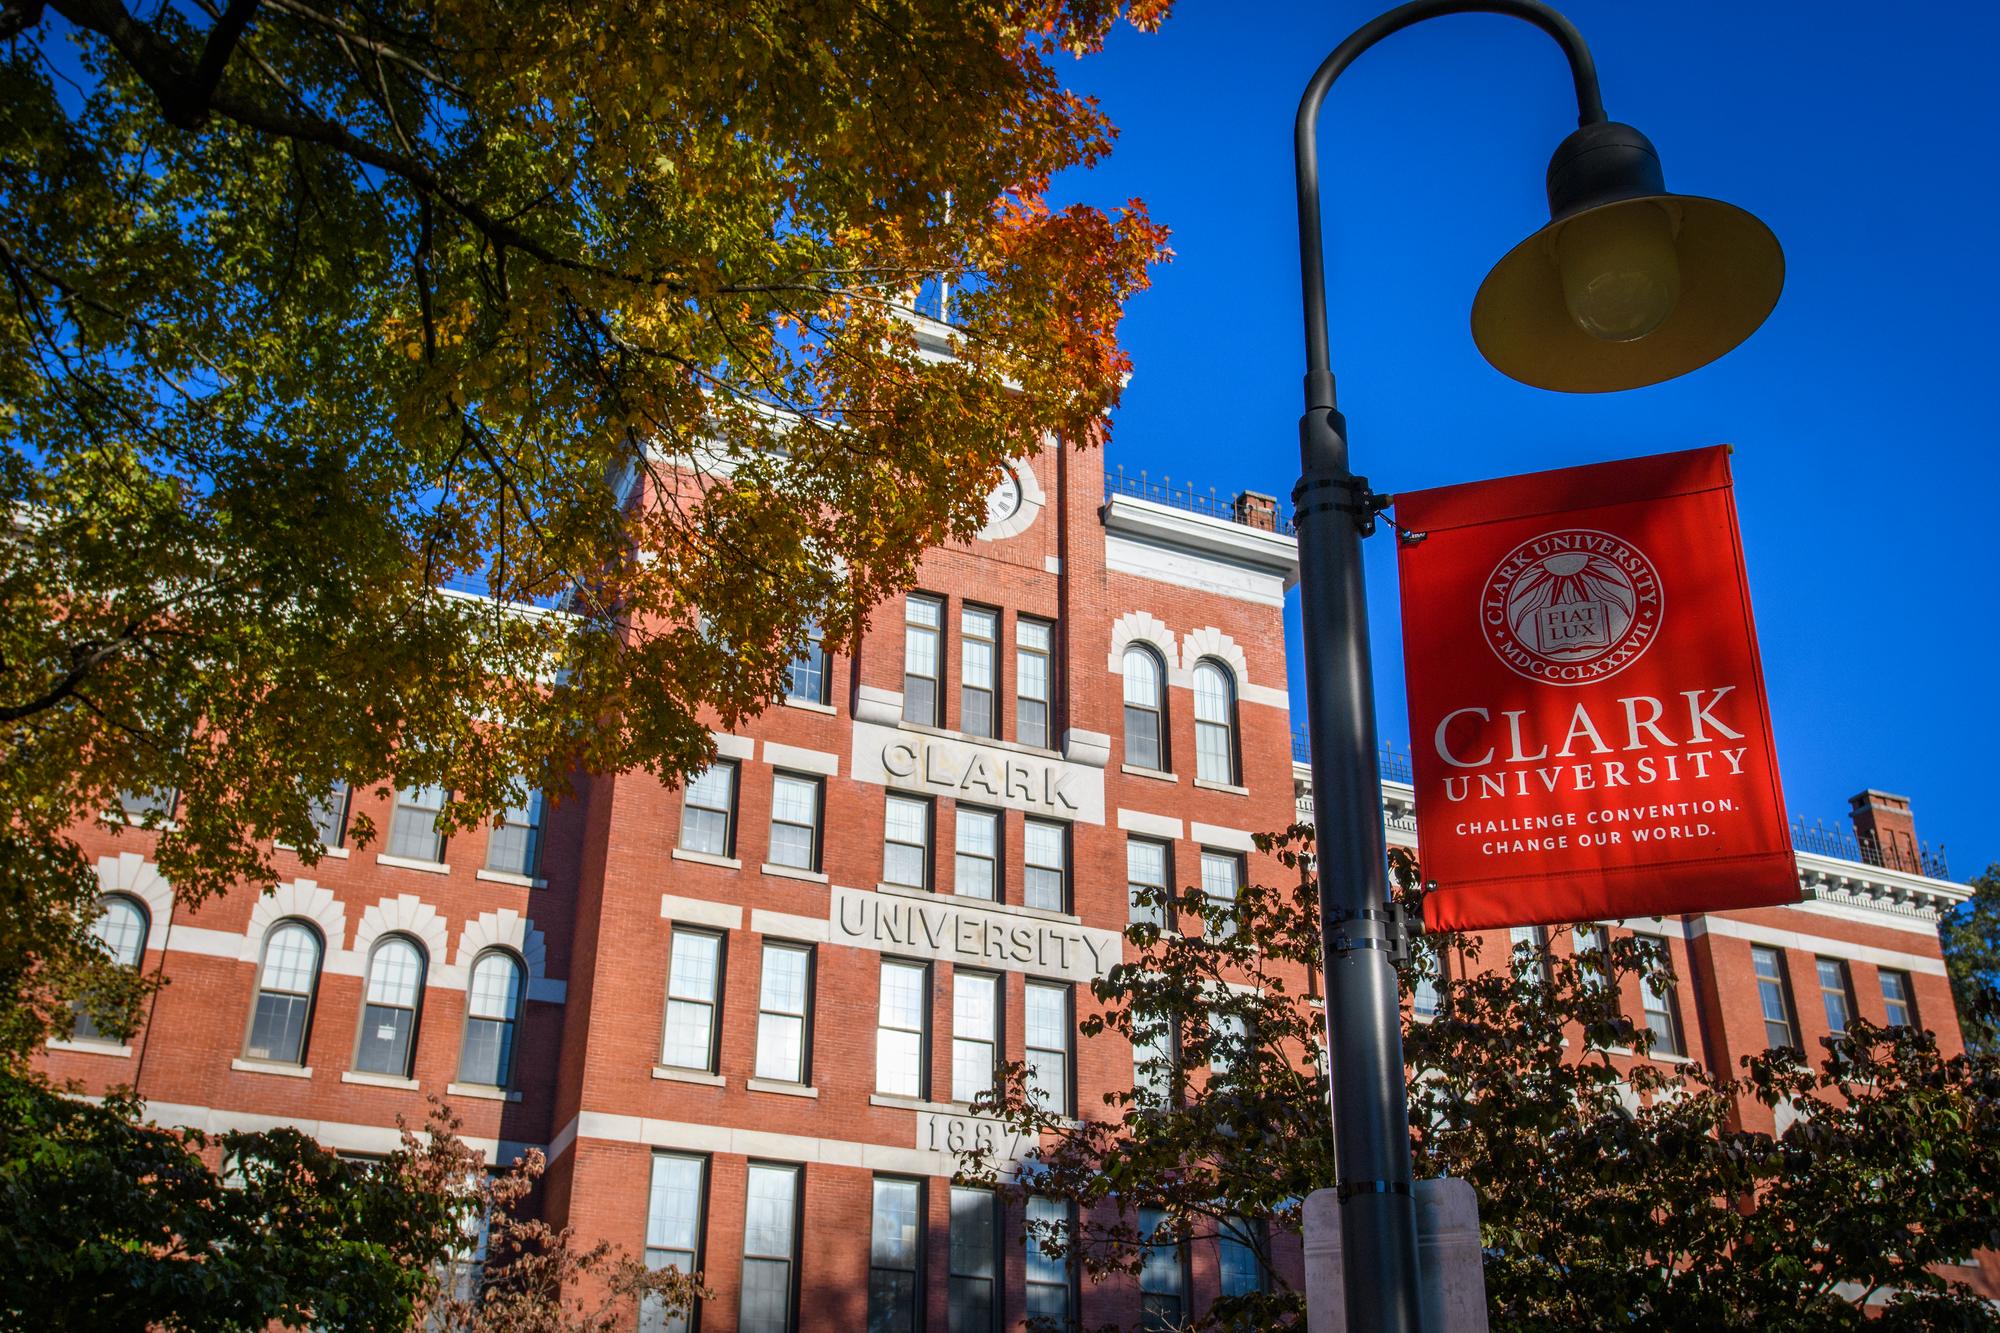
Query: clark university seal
(1571, 607)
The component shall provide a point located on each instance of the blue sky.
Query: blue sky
(1861, 412)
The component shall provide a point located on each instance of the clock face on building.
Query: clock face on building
(1004, 500)
(1013, 503)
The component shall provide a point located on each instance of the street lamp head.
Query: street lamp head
(1628, 285)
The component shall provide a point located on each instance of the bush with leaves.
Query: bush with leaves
(1614, 1190)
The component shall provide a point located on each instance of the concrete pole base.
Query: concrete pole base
(1451, 1279)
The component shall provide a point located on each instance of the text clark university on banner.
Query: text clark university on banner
(1587, 709)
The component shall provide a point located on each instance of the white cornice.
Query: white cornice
(1213, 538)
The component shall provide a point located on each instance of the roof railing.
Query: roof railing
(1209, 504)
(1841, 843)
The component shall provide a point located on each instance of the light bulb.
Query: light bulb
(1620, 275)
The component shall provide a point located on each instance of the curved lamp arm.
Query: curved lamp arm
(1305, 141)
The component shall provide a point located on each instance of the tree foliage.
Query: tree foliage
(115, 1224)
(1614, 1190)
(1971, 939)
(308, 309)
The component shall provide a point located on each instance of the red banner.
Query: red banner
(1587, 710)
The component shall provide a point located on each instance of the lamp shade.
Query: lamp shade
(1604, 179)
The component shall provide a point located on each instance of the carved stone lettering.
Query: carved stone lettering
(956, 931)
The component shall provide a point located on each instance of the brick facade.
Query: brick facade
(594, 930)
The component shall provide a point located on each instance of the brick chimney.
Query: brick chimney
(1257, 510)
(1884, 822)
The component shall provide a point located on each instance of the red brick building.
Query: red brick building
(744, 1019)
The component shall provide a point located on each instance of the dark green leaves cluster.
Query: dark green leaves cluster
(1614, 1190)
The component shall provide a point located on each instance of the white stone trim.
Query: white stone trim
(1143, 627)
(1052, 564)
(874, 704)
(1222, 839)
(406, 914)
(278, 1067)
(699, 912)
(508, 929)
(789, 927)
(306, 900)
(733, 747)
(706, 859)
(1815, 944)
(688, 1136)
(342, 1136)
(801, 760)
(89, 1046)
(412, 863)
(368, 1080)
(1157, 826)
(1212, 642)
(134, 876)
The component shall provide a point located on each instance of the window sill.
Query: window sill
(508, 877)
(782, 1089)
(911, 1103)
(483, 1092)
(808, 705)
(793, 872)
(707, 859)
(243, 1066)
(118, 819)
(337, 853)
(1230, 787)
(982, 904)
(411, 863)
(367, 1079)
(1157, 774)
(91, 1046)
(702, 1077)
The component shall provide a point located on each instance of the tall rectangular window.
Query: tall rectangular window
(795, 814)
(1049, 1025)
(413, 830)
(1154, 1060)
(770, 1247)
(1836, 993)
(923, 651)
(1424, 996)
(978, 659)
(1221, 885)
(515, 846)
(141, 805)
(1049, 1288)
(708, 811)
(902, 1029)
(1162, 1274)
(1657, 994)
(673, 1229)
(1774, 995)
(1046, 847)
(1146, 871)
(1229, 1036)
(894, 1255)
(1239, 1242)
(1032, 676)
(1898, 1000)
(694, 979)
(975, 1260)
(1535, 938)
(329, 816)
(1594, 967)
(784, 1009)
(975, 1033)
(976, 873)
(906, 842)
(807, 680)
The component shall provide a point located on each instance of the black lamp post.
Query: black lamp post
(1627, 286)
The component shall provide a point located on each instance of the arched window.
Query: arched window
(1145, 708)
(389, 1013)
(1214, 722)
(120, 930)
(286, 980)
(492, 1009)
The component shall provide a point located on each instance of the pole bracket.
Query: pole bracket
(1347, 1189)
(1340, 493)
(1386, 928)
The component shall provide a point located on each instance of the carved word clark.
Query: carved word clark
(980, 772)
(950, 933)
